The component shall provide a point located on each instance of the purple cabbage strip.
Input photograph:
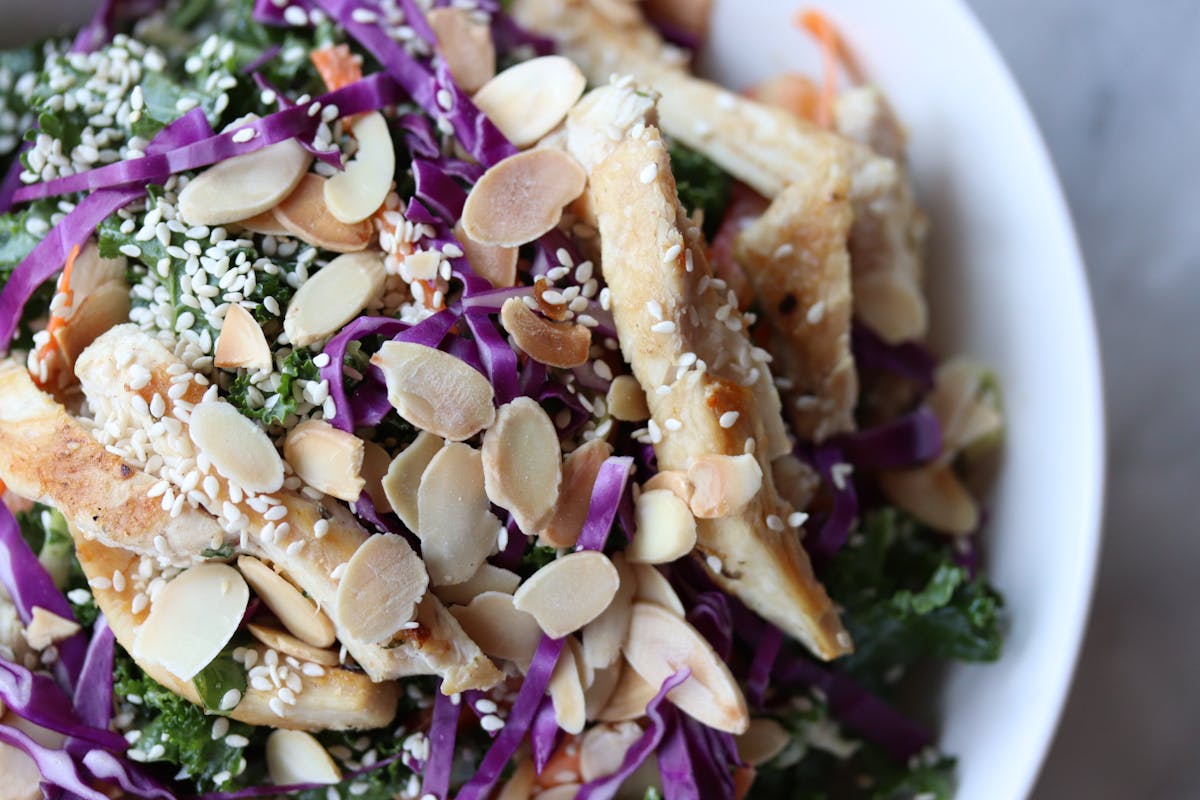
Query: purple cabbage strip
(711, 757)
(836, 528)
(544, 734)
(369, 404)
(58, 768)
(119, 771)
(36, 697)
(606, 497)
(266, 12)
(498, 357)
(419, 136)
(29, 585)
(758, 678)
(508, 35)
(913, 439)
(438, 191)
(910, 360)
(605, 788)
(520, 718)
(675, 761)
(264, 58)
(710, 615)
(99, 30)
(414, 17)
(442, 733)
(94, 692)
(271, 790)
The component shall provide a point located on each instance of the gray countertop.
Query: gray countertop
(1113, 88)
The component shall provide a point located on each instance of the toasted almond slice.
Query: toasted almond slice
(666, 529)
(653, 587)
(245, 185)
(465, 44)
(264, 223)
(562, 791)
(528, 100)
(627, 400)
(360, 189)
(404, 476)
(91, 271)
(423, 264)
(333, 296)
(555, 344)
(379, 590)
(457, 529)
(239, 449)
(566, 690)
(495, 263)
(522, 197)
(762, 741)
(660, 643)
(604, 683)
(602, 637)
(486, 579)
(520, 786)
(297, 757)
(297, 613)
(522, 463)
(46, 628)
(242, 343)
(305, 214)
(102, 308)
(578, 477)
(723, 485)
(673, 481)
(569, 592)
(934, 495)
(960, 403)
(629, 699)
(376, 462)
(604, 747)
(192, 618)
(499, 628)
(436, 391)
(326, 458)
(289, 645)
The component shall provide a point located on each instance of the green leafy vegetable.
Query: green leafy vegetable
(45, 529)
(535, 558)
(701, 185)
(223, 552)
(222, 675)
(298, 365)
(20, 232)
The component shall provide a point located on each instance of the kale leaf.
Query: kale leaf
(45, 529)
(297, 365)
(17, 239)
(222, 675)
(701, 185)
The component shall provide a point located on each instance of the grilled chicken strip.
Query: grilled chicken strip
(339, 699)
(796, 257)
(688, 348)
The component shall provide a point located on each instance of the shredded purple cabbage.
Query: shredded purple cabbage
(498, 358)
(758, 677)
(675, 761)
(114, 769)
(94, 692)
(909, 360)
(544, 734)
(442, 733)
(58, 768)
(835, 530)
(913, 439)
(610, 486)
(438, 191)
(37, 698)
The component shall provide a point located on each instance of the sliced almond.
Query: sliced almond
(326, 458)
(238, 449)
(486, 579)
(298, 614)
(629, 698)
(528, 100)
(423, 265)
(457, 529)
(436, 391)
(934, 495)
(91, 271)
(306, 215)
(289, 645)
(500, 629)
(604, 683)
(465, 44)
(604, 747)
(498, 265)
(723, 485)
(404, 476)
(297, 757)
(627, 400)
(47, 628)
(358, 191)
(666, 529)
(102, 308)
(660, 643)
(522, 463)
(566, 690)
(569, 592)
(957, 401)
(673, 481)
(242, 344)
(522, 197)
(245, 185)
(579, 476)
(332, 297)
(192, 618)
(762, 741)
(375, 464)
(520, 785)
(653, 587)
(379, 591)
(264, 223)
(562, 791)
(556, 344)
(602, 637)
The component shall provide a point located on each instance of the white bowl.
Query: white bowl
(1008, 286)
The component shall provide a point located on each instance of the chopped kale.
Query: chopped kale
(45, 529)
(535, 558)
(221, 676)
(701, 185)
(223, 552)
(275, 409)
(20, 232)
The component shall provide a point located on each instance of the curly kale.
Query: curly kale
(701, 184)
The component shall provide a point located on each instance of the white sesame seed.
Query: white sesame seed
(797, 519)
(816, 312)
(648, 173)
(236, 740)
(666, 326)
(491, 723)
(774, 522)
(728, 419)
(714, 564)
(671, 254)
(220, 728)
(655, 309)
(230, 699)
(672, 424)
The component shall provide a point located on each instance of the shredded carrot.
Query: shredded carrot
(834, 56)
(337, 66)
(3, 487)
(56, 322)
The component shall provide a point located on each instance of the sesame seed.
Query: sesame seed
(666, 326)
(672, 253)
(320, 528)
(236, 740)
(728, 419)
(797, 519)
(491, 723)
(655, 309)
(816, 312)
(648, 173)
(131, 250)
(774, 522)
(839, 473)
(220, 728)
(230, 699)
(672, 424)
(714, 564)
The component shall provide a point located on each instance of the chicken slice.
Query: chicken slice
(796, 257)
(442, 648)
(688, 347)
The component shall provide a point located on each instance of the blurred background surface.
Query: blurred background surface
(1113, 87)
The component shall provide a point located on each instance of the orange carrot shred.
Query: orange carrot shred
(834, 55)
(56, 322)
(337, 66)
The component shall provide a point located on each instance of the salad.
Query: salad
(415, 399)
